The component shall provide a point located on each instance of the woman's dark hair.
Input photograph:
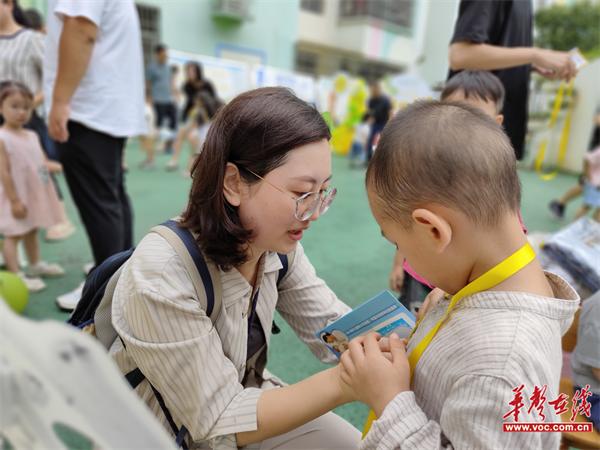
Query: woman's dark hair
(17, 13)
(34, 19)
(197, 69)
(255, 131)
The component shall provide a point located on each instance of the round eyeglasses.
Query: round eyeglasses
(309, 203)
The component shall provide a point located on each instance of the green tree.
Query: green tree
(562, 27)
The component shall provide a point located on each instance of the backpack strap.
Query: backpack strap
(105, 332)
(284, 270)
(282, 273)
(205, 277)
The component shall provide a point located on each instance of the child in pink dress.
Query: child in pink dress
(28, 200)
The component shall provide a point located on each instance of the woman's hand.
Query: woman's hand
(369, 376)
(18, 209)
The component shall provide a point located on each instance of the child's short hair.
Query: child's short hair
(447, 153)
(477, 83)
(10, 87)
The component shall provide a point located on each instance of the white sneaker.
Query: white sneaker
(68, 301)
(44, 269)
(87, 267)
(33, 284)
(171, 165)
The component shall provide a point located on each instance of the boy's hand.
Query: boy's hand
(18, 209)
(370, 376)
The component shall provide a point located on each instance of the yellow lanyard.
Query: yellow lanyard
(488, 280)
(564, 92)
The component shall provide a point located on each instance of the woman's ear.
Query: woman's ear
(232, 185)
(500, 119)
(433, 227)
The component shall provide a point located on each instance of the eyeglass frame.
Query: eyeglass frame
(330, 192)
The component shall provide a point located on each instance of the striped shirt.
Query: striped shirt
(198, 368)
(492, 343)
(21, 58)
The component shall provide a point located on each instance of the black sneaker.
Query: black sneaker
(557, 209)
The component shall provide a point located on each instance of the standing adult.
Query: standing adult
(158, 79)
(496, 35)
(379, 109)
(195, 83)
(94, 84)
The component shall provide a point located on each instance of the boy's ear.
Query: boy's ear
(433, 227)
(500, 119)
(232, 185)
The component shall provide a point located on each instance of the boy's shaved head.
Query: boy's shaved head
(446, 153)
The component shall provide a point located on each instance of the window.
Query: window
(150, 26)
(306, 62)
(398, 12)
(315, 6)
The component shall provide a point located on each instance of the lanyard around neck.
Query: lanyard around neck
(496, 275)
(488, 280)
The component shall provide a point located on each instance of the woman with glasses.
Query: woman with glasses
(263, 177)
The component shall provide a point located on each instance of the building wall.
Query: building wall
(439, 25)
(268, 36)
(366, 37)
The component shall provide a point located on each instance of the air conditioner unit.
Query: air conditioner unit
(233, 10)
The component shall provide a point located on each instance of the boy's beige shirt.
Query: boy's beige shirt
(492, 343)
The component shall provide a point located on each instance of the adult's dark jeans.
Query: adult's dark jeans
(92, 164)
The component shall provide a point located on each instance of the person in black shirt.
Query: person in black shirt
(379, 109)
(195, 83)
(497, 35)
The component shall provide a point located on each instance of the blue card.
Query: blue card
(383, 314)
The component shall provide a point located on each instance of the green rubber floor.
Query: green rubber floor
(345, 246)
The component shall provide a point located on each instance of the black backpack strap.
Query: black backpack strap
(282, 273)
(134, 378)
(284, 270)
(205, 277)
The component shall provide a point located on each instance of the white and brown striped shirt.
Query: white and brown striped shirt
(198, 368)
(21, 58)
(492, 343)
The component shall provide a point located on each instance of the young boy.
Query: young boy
(444, 189)
(480, 89)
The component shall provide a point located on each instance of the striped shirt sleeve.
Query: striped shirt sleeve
(308, 305)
